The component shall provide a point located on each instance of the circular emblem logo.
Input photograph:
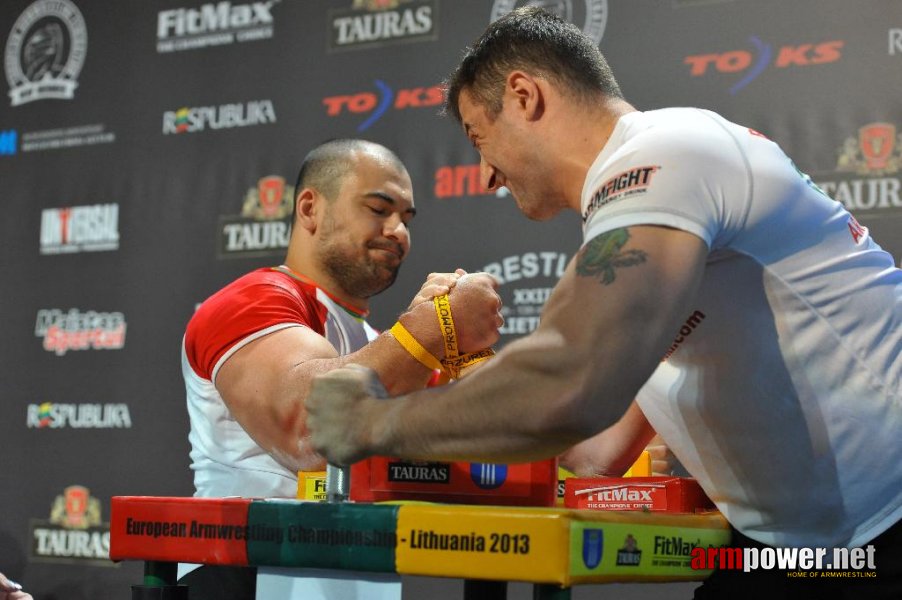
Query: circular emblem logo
(45, 52)
(591, 18)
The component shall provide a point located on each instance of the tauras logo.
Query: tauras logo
(419, 472)
(224, 116)
(264, 225)
(74, 532)
(213, 25)
(378, 22)
(78, 416)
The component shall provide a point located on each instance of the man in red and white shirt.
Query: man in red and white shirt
(251, 349)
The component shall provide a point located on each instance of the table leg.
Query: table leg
(480, 589)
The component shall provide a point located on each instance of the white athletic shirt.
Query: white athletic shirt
(781, 393)
(225, 460)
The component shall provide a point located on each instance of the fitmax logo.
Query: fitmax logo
(8, 142)
(754, 62)
(375, 105)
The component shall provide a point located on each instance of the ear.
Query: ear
(307, 206)
(527, 93)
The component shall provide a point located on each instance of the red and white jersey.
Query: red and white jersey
(225, 460)
(782, 391)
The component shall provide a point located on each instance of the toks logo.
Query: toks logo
(74, 532)
(752, 63)
(376, 104)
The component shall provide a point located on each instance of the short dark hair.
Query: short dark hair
(537, 42)
(326, 166)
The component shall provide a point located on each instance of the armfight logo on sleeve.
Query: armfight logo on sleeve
(74, 533)
(628, 183)
(45, 52)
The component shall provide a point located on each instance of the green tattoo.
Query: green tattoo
(602, 256)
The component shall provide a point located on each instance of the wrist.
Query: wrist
(422, 324)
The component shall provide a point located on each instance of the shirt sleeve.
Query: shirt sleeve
(242, 312)
(691, 180)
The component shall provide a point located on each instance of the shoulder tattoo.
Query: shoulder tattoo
(603, 255)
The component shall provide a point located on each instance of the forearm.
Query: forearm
(614, 450)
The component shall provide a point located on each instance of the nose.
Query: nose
(395, 229)
(488, 176)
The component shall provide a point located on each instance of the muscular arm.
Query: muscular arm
(265, 382)
(604, 329)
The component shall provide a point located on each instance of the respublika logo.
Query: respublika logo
(93, 228)
(488, 476)
(212, 24)
(74, 532)
(9, 139)
(50, 415)
(375, 104)
(264, 225)
(867, 170)
(592, 21)
(76, 330)
(224, 116)
(371, 23)
(751, 63)
(45, 52)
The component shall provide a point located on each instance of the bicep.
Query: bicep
(618, 306)
(256, 376)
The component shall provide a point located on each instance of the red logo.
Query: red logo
(753, 62)
(376, 104)
(458, 181)
(856, 229)
(877, 150)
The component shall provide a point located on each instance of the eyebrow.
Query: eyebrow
(383, 196)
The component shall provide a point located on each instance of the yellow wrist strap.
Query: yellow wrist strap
(454, 366)
(446, 325)
(416, 350)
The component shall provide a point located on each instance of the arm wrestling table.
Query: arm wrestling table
(553, 548)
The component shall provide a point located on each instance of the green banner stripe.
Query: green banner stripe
(360, 537)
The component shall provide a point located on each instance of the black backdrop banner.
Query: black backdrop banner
(148, 151)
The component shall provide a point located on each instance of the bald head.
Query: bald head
(325, 167)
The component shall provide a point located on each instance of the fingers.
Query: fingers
(8, 585)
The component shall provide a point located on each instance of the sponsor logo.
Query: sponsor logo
(751, 63)
(488, 476)
(593, 547)
(371, 23)
(74, 533)
(419, 472)
(212, 24)
(673, 551)
(686, 330)
(374, 105)
(895, 42)
(797, 562)
(629, 555)
(629, 183)
(45, 52)
(525, 283)
(76, 330)
(264, 225)
(631, 496)
(459, 181)
(73, 229)
(224, 116)
(9, 142)
(867, 177)
(592, 21)
(49, 415)
(68, 137)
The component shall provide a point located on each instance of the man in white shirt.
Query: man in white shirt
(719, 297)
